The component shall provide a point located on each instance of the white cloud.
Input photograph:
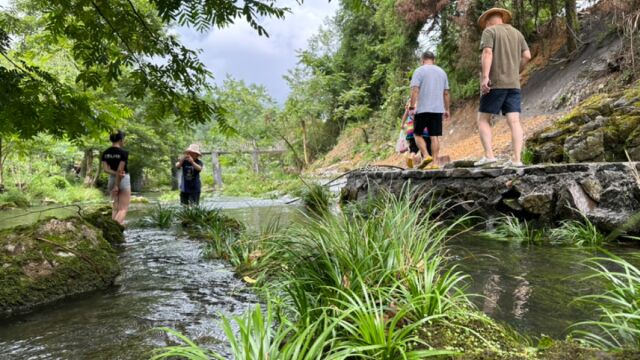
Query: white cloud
(239, 51)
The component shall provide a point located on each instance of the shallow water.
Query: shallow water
(165, 282)
(529, 287)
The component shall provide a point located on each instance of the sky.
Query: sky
(238, 50)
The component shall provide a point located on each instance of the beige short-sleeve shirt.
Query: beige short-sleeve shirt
(507, 44)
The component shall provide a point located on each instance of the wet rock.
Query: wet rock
(592, 188)
(460, 164)
(51, 260)
(537, 202)
(607, 193)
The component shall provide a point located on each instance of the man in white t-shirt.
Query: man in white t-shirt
(431, 85)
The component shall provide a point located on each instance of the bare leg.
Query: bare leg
(114, 205)
(124, 198)
(422, 145)
(435, 149)
(484, 128)
(517, 135)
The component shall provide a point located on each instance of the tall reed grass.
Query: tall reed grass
(618, 326)
(351, 285)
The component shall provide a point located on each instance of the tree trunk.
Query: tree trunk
(94, 181)
(304, 142)
(87, 168)
(572, 25)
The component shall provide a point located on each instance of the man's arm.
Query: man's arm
(415, 90)
(447, 103)
(526, 56)
(486, 60)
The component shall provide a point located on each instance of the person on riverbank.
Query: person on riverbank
(504, 54)
(429, 85)
(414, 156)
(190, 184)
(115, 163)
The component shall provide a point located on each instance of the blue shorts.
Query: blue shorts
(505, 100)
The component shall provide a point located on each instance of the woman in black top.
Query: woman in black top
(114, 163)
(191, 166)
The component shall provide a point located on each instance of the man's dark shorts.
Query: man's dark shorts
(431, 121)
(505, 100)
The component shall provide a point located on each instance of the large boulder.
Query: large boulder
(50, 260)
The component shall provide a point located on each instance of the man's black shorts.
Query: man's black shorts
(431, 121)
(505, 100)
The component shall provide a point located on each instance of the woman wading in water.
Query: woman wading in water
(114, 163)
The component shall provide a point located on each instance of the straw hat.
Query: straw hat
(506, 16)
(194, 148)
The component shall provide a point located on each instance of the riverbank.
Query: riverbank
(55, 259)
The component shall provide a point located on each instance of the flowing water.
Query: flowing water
(165, 282)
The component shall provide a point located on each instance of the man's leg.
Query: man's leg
(422, 145)
(435, 149)
(517, 135)
(484, 128)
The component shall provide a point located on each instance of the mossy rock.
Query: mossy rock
(615, 118)
(50, 260)
(112, 231)
(475, 337)
(567, 349)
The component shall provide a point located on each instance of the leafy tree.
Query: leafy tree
(112, 41)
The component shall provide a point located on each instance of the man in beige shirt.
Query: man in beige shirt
(504, 55)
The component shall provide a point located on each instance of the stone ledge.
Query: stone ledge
(607, 193)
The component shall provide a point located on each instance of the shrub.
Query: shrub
(316, 198)
(15, 198)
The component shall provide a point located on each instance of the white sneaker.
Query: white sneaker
(485, 161)
(513, 164)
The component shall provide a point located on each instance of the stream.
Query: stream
(166, 282)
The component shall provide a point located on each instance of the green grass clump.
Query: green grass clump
(349, 285)
(510, 228)
(578, 233)
(316, 198)
(158, 216)
(618, 326)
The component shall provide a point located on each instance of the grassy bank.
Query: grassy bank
(361, 284)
